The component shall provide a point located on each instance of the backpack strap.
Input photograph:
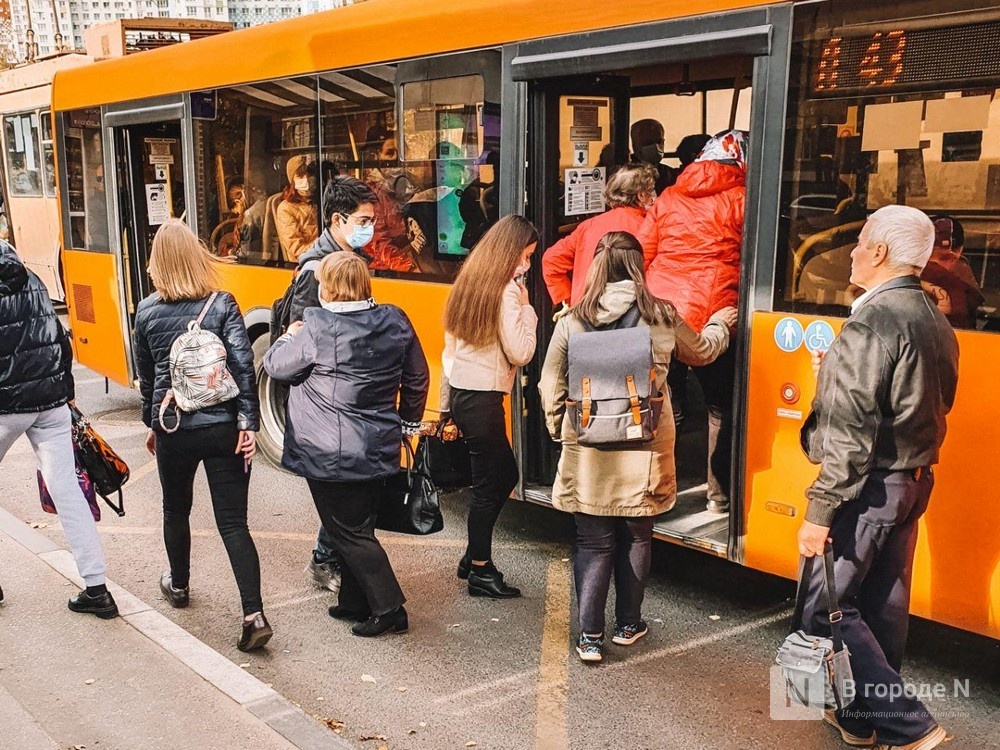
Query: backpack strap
(586, 403)
(630, 319)
(204, 310)
(633, 399)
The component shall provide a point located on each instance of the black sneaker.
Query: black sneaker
(626, 635)
(103, 605)
(376, 625)
(589, 648)
(178, 598)
(255, 633)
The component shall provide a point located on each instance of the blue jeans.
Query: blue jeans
(324, 551)
(874, 538)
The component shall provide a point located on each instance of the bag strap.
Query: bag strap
(833, 605)
(204, 310)
(120, 508)
(629, 320)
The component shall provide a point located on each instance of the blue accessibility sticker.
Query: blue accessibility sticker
(788, 334)
(819, 336)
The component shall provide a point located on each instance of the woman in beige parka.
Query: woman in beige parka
(616, 491)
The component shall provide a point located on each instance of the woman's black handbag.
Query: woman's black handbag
(106, 468)
(450, 465)
(410, 504)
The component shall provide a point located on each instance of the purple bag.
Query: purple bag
(86, 486)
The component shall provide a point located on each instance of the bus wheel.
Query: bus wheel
(273, 396)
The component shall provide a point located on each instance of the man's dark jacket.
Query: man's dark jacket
(343, 423)
(157, 326)
(883, 392)
(305, 290)
(36, 357)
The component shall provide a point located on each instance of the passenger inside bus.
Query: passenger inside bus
(948, 277)
(295, 216)
(390, 249)
(647, 137)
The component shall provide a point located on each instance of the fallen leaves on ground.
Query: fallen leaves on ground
(471, 743)
(335, 724)
(367, 737)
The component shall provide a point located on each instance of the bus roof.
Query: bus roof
(371, 32)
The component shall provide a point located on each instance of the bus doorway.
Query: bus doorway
(582, 128)
(149, 170)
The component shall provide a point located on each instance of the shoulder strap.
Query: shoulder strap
(630, 319)
(309, 265)
(204, 310)
(833, 605)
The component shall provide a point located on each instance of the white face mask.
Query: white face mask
(522, 269)
(303, 185)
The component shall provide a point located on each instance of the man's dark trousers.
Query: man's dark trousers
(874, 538)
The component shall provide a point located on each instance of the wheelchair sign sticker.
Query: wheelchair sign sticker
(819, 336)
(788, 334)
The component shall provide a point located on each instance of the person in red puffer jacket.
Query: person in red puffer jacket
(564, 266)
(691, 243)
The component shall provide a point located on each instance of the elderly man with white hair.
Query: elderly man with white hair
(876, 428)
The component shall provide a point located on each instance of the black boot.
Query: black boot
(486, 580)
(178, 598)
(464, 566)
(340, 613)
(376, 625)
(103, 604)
(256, 633)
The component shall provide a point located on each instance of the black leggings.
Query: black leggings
(481, 418)
(177, 458)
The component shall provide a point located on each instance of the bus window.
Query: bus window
(23, 168)
(914, 127)
(84, 200)
(48, 160)
(257, 172)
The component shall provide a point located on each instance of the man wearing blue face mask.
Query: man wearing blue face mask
(647, 138)
(349, 220)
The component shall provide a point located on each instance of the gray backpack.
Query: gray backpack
(612, 389)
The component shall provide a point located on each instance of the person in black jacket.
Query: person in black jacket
(349, 217)
(36, 383)
(220, 436)
(347, 363)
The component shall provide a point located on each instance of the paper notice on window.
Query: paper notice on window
(584, 191)
(957, 114)
(894, 126)
(157, 209)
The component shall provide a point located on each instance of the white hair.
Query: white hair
(907, 233)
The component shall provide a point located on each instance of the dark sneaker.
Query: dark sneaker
(324, 575)
(932, 739)
(854, 740)
(178, 598)
(255, 633)
(102, 605)
(589, 648)
(376, 625)
(626, 635)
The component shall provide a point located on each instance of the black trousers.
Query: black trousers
(874, 539)
(177, 458)
(481, 418)
(347, 512)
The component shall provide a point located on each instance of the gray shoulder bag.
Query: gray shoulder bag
(817, 670)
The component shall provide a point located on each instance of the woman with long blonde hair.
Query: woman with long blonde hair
(489, 333)
(221, 435)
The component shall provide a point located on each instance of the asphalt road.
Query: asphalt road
(498, 674)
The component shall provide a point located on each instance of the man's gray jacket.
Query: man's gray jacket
(883, 392)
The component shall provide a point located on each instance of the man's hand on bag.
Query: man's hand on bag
(812, 539)
(151, 442)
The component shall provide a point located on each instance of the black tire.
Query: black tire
(271, 437)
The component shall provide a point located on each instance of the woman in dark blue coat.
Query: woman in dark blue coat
(347, 362)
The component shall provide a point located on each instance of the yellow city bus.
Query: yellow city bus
(460, 113)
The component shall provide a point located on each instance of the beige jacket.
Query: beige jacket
(297, 227)
(491, 368)
(633, 480)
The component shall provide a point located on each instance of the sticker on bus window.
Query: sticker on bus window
(788, 334)
(584, 191)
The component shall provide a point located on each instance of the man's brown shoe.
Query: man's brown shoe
(849, 739)
(930, 740)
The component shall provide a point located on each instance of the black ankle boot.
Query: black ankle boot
(464, 566)
(103, 605)
(376, 625)
(340, 613)
(486, 580)
(255, 633)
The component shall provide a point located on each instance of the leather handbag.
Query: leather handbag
(410, 504)
(106, 469)
(448, 460)
(86, 486)
(817, 669)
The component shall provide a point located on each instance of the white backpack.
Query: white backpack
(199, 376)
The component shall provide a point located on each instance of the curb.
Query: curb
(266, 704)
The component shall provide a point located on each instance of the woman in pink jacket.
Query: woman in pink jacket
(691, 243)
(628, 193)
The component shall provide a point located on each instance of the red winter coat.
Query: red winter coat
(565, 264)
(691, 241)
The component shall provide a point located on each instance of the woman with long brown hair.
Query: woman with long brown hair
(221, 435)
(489, 333)
(615, 491)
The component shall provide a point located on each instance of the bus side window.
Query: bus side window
(83, 195)
(22, 157)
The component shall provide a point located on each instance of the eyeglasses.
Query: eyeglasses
(361, 221)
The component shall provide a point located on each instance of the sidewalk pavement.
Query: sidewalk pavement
(70, 681)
